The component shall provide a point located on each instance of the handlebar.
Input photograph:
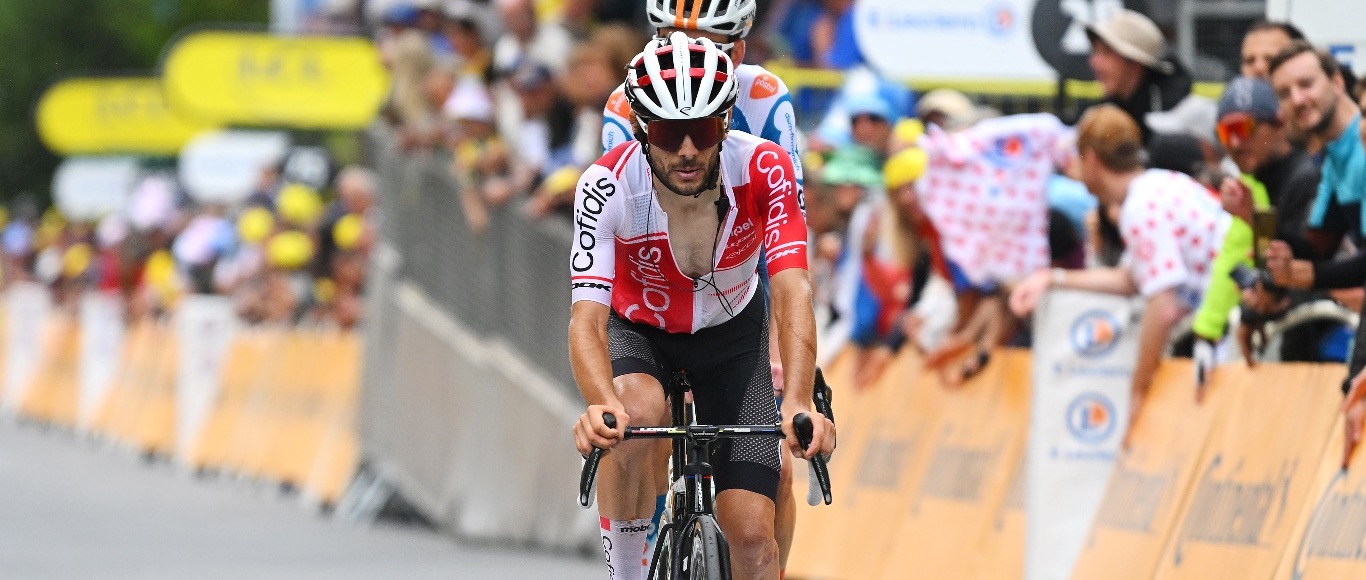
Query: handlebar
(589, 478)
(801, 422)
(821, 473)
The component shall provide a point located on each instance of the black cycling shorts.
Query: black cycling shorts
(728, 367)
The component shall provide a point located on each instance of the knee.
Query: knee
(643, 398)
(753, 541)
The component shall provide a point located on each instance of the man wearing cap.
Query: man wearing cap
(1259, 143)
(1127, 56)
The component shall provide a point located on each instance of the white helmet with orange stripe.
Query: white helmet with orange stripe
(732, 18)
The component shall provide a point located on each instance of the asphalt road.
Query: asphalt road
(75, 508)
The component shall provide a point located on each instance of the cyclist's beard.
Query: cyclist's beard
(693, 189)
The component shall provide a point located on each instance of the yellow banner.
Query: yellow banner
(259, 79)
(112, 115)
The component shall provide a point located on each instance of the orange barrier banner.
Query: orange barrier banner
(250, 353)
(1329, 542)
(970, 457)
(1153, 476)
(866, 473)
(1257, 473)
(1001, 553)
(53, 392)
(916, 472)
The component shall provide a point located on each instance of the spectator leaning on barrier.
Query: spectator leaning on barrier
(1313, 98)
(1279, 180)
(985, 192)
(1180, 244)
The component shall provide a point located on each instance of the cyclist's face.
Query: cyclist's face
(685, 171)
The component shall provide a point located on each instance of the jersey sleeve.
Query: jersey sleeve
(780, 125)
(1155, 259)
(592, 257)
(616, 123)
(771, 177)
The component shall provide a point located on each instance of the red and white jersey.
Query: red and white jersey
(1173, 228)
(621, 254)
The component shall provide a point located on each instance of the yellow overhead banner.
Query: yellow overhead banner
(259, 79)
(83, 116)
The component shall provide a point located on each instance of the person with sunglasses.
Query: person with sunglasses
(763, 107)
(669, 232)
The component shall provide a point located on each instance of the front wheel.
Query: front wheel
(705, 555)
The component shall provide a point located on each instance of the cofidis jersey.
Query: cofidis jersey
(621, 254)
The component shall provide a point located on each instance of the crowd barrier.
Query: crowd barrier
(275, 404)
(1245, 485)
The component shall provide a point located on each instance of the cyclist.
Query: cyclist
(669, 234)
(763, 107)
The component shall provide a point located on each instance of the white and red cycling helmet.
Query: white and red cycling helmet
(678, 78)
(732, 18)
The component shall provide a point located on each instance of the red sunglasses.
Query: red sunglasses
(668, 134)
(1240, 125)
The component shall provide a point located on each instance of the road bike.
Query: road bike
(690, 544)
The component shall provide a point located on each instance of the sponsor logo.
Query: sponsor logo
(619, 106)
(633, 529)
(765, 86)
(1337, 530)
(1232, 507)
(1008, 150)
(591, 205)
(779, 186)
(1095, 333)
(997, 20)
(1091, 417)
(596, 285)
(654, 295)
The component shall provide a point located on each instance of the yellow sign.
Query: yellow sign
(259, 79)
(111, 115)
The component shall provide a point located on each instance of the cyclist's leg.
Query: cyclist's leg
(785, 515)
(629, 474)
(747, 520)
(785, 512)
(732, 384)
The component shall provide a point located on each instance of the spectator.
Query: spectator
(1128, 58)
(480, 162)
(1313, 100)
(462, 32)
(1263, 41)
(1259, 144)
(1184, 140)
(544, 140)
(1173, 231)
(833, 41)
(528, 40)
(985, 192)
(948, 109)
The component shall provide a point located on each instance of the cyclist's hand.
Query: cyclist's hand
(822, 433)
(591, 432)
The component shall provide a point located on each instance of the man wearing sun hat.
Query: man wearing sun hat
(1128, 56)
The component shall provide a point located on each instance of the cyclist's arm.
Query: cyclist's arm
(588, 353)
(795, 322)
(592, 268)
(794, 318)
